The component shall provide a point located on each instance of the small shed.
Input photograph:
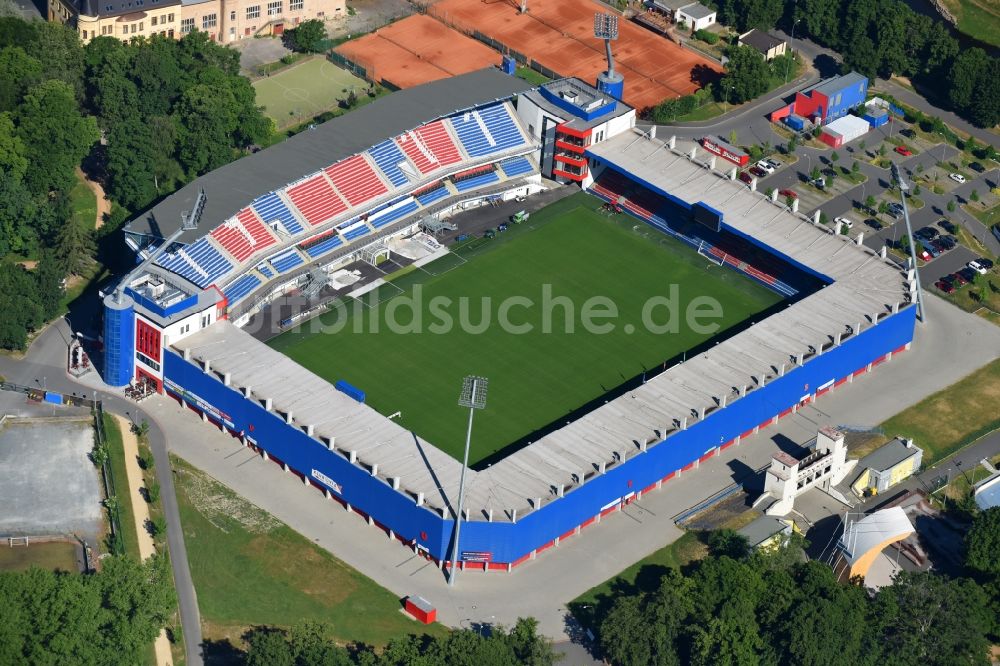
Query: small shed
(696, 15)
(770, 46)
(844, 130)
(886, 466)
(765, 531)
(876, 116)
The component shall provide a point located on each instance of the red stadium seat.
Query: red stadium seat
(244, 236)
(316, 200)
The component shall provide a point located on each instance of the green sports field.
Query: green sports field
(304, 90)
(537, 376)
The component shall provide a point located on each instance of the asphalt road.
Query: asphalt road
(44, 364)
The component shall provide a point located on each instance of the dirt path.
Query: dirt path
(103, 204)
(140, 511)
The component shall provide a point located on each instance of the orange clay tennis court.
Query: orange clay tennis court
(417, 50)
(559, 34)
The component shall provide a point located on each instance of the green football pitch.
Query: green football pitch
(537, 377)
(304, 90)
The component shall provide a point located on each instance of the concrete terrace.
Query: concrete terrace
(865, 287)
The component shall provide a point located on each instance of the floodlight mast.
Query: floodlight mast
(474, 397)
(904, 188)
(606, 28)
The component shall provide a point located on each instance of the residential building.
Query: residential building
(223, 20)
(696, 16)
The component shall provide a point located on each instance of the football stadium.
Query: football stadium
(323, 299)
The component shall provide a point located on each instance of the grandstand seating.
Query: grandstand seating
(434, 150)
(477, 181)
(241, 287)
(199, 262)
(243, 235)
(316, 200)
(322, 244)
(516, 166)
(286, 261)
(270, 207)
(429, 195)
(356, 180)
(388, 156)
(386, 218)
(356, 232)
(487, 130)
(265, 271)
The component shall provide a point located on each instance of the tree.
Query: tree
(870, 202)
(308, 37)
(951, 206)
(985, 111)
(56, 136)
(206, 120)
(834, 156)
(982, 543)
(814, 174)
(75, 248)
(792, 145)
(855, 167)
(12, 151)
(733, 136)
(966, 72)
(746, 75)
(974, 195)
(18, 72)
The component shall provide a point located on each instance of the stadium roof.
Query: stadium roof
(235, 185)
(865, 287)
(874, 530)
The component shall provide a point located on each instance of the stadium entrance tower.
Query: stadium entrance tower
(566, 117)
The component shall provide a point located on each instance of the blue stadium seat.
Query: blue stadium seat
(476, 181)
(498, 123)
(287, 261)
(357, 232)
(324, 246)
(430, 197)
(270, 207)
(516, 166)
(202, 266)
(388, 156)
(386, 218)
(241, 287)
(265, 271)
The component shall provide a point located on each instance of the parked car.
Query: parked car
(765, 165)
(977, 167)
(985, 263)
(930, 249)
(819, 183)
(746, 177)
(957, 177)
(946, 242)
(757, 171)
(904, 151)
(944, 286)
(908, 133)
(844, 221)
(925, 255)
(502, 227)
(968, 274)
(978, 267)
(788, 193)
(948, 226)
(958, 279)
(773, 162)
(490, 233)
(928, 233)
(873, 223)
(461, 237)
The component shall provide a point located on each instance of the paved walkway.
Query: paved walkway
(140, 513)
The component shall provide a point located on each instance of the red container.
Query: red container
(421, 609)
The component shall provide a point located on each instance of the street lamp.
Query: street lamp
(473, 396)
(792, 48)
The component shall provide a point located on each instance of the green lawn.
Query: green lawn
(251, 569)
(531, 76)
(569, 251)
(950, 419)
(644, 576)
(55, 555)
(305, 89)
(83, 204)
(979, 19)
(116, 454)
